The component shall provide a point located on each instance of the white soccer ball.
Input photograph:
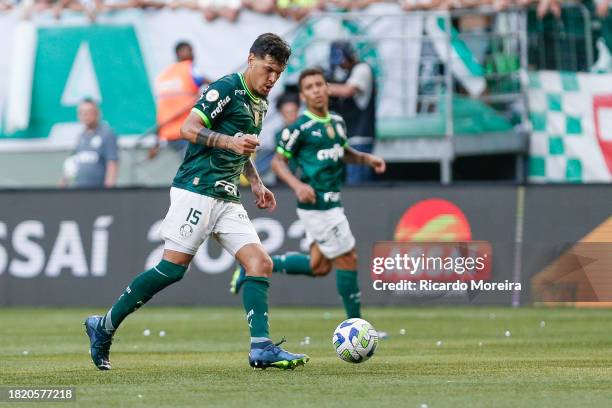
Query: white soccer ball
(355, 340)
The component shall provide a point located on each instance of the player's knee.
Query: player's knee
(260, 266)
(347, 261)
(322, 269)
(174, 272)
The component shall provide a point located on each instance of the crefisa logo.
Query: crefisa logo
(432, 241)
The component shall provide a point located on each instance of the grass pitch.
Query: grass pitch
(448, 357)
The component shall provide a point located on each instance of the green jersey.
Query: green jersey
(317, 146)
(226, 106)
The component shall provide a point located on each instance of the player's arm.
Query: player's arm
(264, 198)
(360, 81)
(112, 169)
(352, 156)
(303, 191)
(195, 131)
(343, 90)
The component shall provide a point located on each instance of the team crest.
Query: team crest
(212, 95)
(186, 230)
(257, 114)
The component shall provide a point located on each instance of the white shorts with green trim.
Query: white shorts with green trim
(192, 218)
(329, 229)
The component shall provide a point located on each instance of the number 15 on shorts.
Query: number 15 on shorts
(194, 216)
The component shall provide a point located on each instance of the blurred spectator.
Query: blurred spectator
(177, 89)
(186, 4)
(415, 5)
(260, 6)
(38, 6)
(474, 31)
(602, 8)
(351, 4)
(298, 9)
(110, 5)
(7, 4)
(354, 98)
(94, 162)
(213, 9)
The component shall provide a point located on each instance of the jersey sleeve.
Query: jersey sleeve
(342, 125)
(288, 141)
(213, 103)
(110, 149)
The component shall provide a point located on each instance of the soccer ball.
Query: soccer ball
(355, 340)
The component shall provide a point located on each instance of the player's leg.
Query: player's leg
(100, 329)
(169, 270)
(184, 228)
(336, 241)
(347, 283)
(292, 263)
(235, 232)
(319, 263)
(296, 263)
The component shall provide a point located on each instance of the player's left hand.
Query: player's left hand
(377, 163)
(264, 198)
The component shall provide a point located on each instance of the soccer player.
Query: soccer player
(222, 130)
(317, 143)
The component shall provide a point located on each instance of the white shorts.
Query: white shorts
(192, 218)
(329, 229)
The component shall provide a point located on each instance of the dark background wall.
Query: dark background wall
(83, 247)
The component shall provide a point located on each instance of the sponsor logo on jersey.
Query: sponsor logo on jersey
(308, 125)
(212, 95)
(331, 197)
(316, 133)
(220, 105)
(335, 153)
(87, 157)
(240, 92)
(229, 188)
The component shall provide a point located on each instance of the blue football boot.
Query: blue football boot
(238, 279)
(99, 343)
(271, 355)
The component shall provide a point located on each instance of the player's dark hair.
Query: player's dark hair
(310, 72)
(287, 97)
(179, 45)
(272, 45)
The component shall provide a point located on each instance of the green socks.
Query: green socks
(255, 300)
(348, 288)
(292, 263)
(140, 291)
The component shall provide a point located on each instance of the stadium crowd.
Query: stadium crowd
(292, 9)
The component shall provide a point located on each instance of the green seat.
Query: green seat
(471, 117)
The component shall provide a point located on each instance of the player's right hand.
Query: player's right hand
(305, 193)
(244, 144)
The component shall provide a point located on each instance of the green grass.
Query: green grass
(202, 360)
